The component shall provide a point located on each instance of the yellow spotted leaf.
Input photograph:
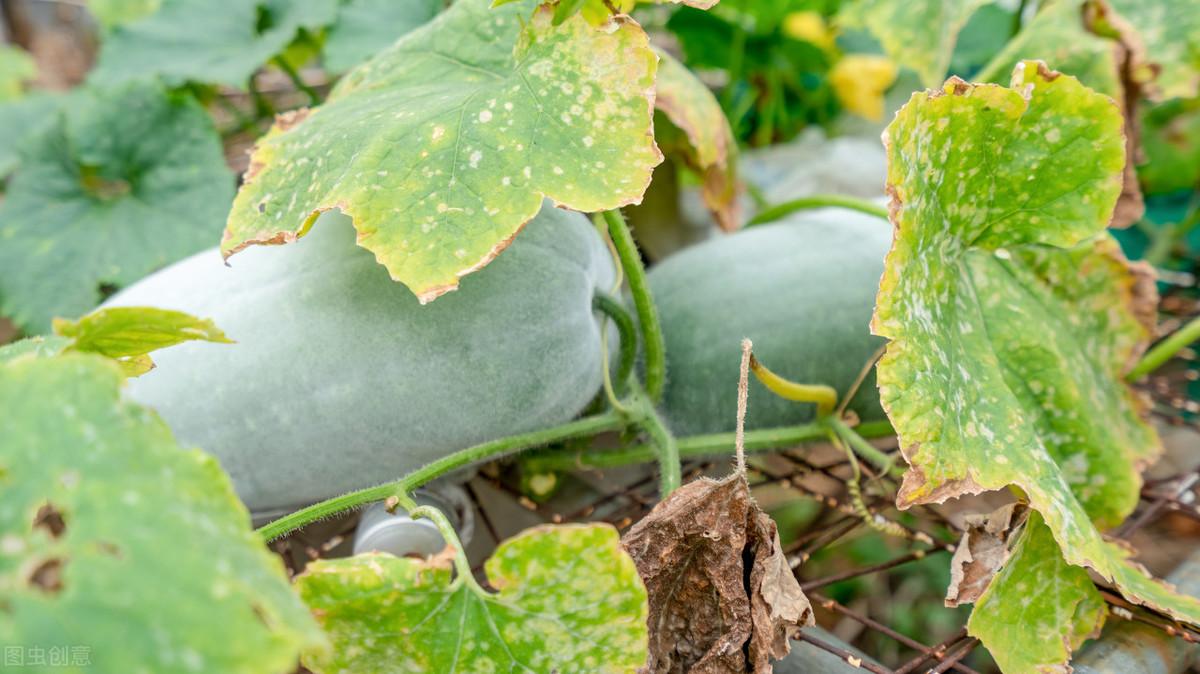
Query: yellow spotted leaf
(441, 147)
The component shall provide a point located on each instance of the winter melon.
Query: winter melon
(340, 380)
(802, 290)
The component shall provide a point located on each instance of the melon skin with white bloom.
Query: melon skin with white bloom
(340, 379)
(802, 290)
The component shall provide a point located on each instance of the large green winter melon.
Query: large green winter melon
(340, 380)
(803, 291)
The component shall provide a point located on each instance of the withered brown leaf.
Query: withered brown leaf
(981, 552)
(723, 598)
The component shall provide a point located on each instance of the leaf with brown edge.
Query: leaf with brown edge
(917, 34)
(1085, 39)
(1169, 29)
(707, 614)
(707, 144)
(567, 600)
(441, 147)
(1014, 317)
(1038, 608)
(981, 552)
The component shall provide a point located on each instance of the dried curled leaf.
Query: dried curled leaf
(1014, 317)
(709, 149)
(442, 146)
(981, 552)
(1169, 29)
(708, 613)
(1039, 608)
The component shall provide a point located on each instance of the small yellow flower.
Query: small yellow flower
(810, 27)
(860, 80)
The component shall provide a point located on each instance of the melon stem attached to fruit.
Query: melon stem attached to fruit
(651, 331)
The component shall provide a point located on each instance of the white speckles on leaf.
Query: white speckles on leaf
(568, 600)
(1025, 264)
(476, 110)
(126, 491)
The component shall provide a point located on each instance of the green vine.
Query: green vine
(666, 447)
(817, 201)
(697, 446)
(652, 336)
(587, 426)
(627, 355)
(1164, 350)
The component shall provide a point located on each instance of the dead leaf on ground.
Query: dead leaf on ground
(723, 598)
(982, 551)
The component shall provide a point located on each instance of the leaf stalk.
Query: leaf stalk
(817, 201)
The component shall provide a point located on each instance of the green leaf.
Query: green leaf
(710, 148)
(441, 147)
(21, 120)
(37, 347)
(1037, 593)
(121, 183)
(1079, 38)
(16, 68)
(1171, 141)
(1058, 35)
(365, 27)
(596, 12)
(1168, 30)
(186, 41)
(983, 36)
(114, 539)
(569, 600)
(1013, 316)
(112, 13)
(129, 334)
(917, 34)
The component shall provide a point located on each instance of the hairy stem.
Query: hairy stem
(586, 426)
(817, 201)
(697, 446)
(866, 450)
(824, 396)
(652, 336)
(666, 447)
(462, 566)
(627, 355)
(1164, 350)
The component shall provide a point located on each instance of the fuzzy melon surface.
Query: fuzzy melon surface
(803, 290)
(340, 380)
